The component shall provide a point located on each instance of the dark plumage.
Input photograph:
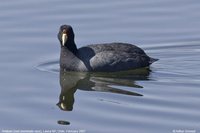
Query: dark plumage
(107, 57)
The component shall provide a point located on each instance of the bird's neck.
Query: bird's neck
(71, 46)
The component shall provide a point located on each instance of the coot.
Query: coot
(107, 57)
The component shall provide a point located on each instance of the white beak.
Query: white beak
(64, 38)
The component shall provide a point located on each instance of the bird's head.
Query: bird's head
(65, 35)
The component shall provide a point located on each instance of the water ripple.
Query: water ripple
(162, 100)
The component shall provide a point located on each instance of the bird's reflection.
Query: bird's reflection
(102, 82)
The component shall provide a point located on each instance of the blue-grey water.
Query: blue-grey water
(36, 95)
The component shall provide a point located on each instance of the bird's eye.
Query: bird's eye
(64, 31)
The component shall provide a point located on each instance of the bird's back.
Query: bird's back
(113, 57)
(122, 47)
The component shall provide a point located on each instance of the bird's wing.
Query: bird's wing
(116, 61)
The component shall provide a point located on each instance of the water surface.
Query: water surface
(35, 94)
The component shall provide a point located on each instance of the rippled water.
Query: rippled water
(36, 94)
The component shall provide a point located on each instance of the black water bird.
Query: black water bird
(107, 57)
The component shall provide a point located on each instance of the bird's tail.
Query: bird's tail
(152, 60)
